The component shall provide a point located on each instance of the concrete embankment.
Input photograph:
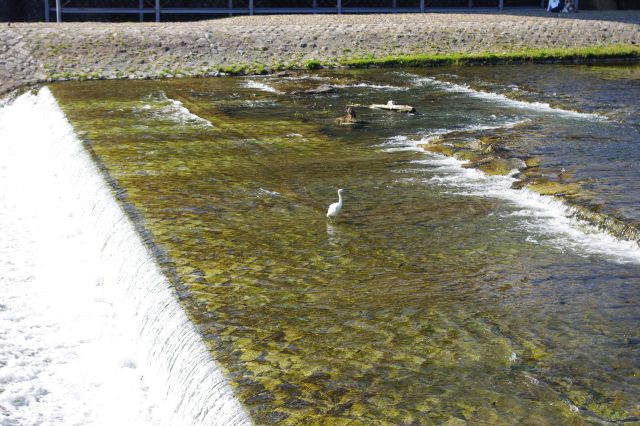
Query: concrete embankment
(32, 53)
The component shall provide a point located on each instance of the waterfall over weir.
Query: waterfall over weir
(90, 331)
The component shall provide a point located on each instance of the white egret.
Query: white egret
(334, 209)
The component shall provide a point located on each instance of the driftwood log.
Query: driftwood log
(390, 106)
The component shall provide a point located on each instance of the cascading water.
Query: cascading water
(91, 331)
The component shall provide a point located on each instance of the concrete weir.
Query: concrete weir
(91, 331)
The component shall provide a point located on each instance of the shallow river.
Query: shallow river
(440, 293)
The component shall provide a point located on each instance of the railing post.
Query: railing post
(230, 6)
(394, 4)
(315, 6)
(501, 4)
(140, 6)
(58, 11)
(157, 10)
(250, 7)
(421, 6)
(577, 5)
(339, 7)
(47, 18)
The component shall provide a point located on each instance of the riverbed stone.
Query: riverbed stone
(554, 188)
(443, 149)
(500, 166)
(533, 162)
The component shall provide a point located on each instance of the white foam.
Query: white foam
(90, 332)
(403, 143)
(399, 144)
(499, 98)
(252, 84)
(262, 191)
(183, 112)
(178, 112)
(371, 86)
(7, 100)
(257, 103)
(541, 215)
(171, 110)
(306, 77)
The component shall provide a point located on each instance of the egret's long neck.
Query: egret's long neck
(339, 198)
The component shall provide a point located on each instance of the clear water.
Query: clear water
(440, 294)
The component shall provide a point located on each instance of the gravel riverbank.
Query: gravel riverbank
(31, 53)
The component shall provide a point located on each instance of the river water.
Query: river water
(441, 293)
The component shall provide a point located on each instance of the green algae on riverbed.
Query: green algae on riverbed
(418, 306)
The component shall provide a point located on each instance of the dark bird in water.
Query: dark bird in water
(349, 117)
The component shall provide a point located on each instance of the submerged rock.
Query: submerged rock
(467, 155)
(520, 183)
(613, 225)
(608, 411)
(501, 166)
(554, 188)
(443, 149)
(598, 404)
(533, 162)
(474, 145)
(324, 88)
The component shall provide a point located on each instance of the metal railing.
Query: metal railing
(61, 8)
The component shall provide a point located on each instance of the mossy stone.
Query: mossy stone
(578, 397)
(608, 411)
(533, 351)
(554, 188)
(467, 155)
(533, 162)
(439, 149)
(499, 166)
(455, 421)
